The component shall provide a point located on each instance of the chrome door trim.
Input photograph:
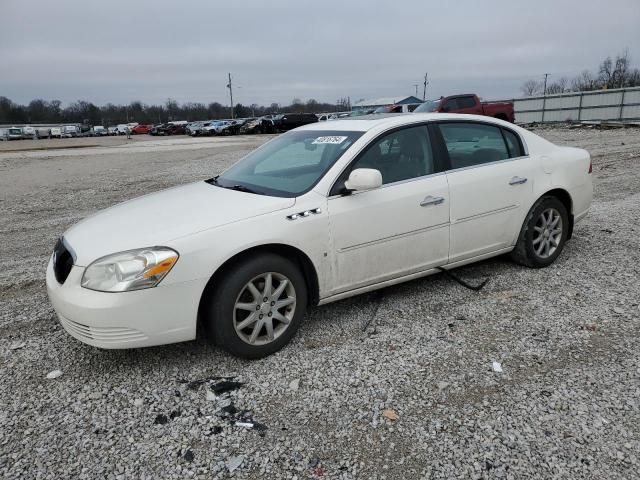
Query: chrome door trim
(393, 237)
(480, 165)
(484, 214)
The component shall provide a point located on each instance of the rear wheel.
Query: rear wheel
(543, 234)
(257, 306)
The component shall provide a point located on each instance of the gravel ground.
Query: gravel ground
(414, 395)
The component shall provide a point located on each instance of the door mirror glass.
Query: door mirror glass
(362, 179)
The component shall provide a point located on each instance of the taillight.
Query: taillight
(590, 166)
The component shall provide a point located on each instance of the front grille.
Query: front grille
(62, 261)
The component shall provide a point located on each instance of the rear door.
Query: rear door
(490, 183)
(397, 229)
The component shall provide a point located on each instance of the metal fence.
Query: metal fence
(621, 105)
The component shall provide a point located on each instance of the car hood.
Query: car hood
(158, 218)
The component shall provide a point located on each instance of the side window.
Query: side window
(399, 155)
(466, 102)
(471, 144)
(513, 143)
(450, 105)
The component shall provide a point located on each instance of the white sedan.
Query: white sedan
(318, 214)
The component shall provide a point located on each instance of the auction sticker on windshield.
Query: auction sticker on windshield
(335, 140)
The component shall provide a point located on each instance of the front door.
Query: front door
(399, 228)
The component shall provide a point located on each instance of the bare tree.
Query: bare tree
(559, 86)
(621, 69)
(531, 88)
(633, 78)
(584, 82)
(605, 73)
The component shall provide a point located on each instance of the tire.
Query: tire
(223, 319)
(539, 242)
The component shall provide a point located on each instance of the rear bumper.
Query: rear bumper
(143, 318)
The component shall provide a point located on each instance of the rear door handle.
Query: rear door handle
(517, 181)
(431, 200)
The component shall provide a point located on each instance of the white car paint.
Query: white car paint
(354, 243)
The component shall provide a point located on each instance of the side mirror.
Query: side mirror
(362, 179)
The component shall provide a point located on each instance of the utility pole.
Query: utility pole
(545, 84)
(229, 86)
(424, 92)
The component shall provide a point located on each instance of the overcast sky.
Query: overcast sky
(119, 51)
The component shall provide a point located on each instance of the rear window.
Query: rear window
(466, 102)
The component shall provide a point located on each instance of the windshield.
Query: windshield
(289, 165)
(428, 106)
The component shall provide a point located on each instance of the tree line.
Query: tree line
(611, 73)
(82, 111)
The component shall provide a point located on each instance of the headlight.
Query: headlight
(131, 270)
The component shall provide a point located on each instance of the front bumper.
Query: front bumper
(142, 318)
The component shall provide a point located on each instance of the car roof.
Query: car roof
(365, 123)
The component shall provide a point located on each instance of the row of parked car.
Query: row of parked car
(273, 123)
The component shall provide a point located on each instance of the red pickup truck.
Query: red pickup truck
(469, 103)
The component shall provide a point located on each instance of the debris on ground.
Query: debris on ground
(442, 385)
(225, 386)
(196, 384)
(390, 414)
(138, 402)
(234, 462)
(497, 367)
(319, 471)
(249, 424)
(189, 455)
(17, 345)
(294, 385)
(161, 419)
(54, 374)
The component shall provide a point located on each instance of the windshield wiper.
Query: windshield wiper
(239, 188)
(242, 188)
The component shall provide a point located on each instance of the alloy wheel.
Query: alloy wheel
(547, 233)
(264, 308)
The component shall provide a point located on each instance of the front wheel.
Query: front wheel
(543, 234)
(257, 306)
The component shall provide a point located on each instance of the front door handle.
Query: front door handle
(431, 200)
(517, 181)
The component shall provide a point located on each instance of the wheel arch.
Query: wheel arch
(565, 197)
(303, 261)
(501, 116)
